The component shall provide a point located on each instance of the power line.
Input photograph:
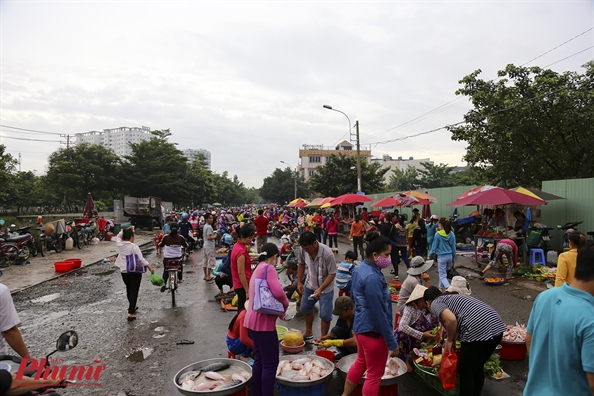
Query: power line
(30, 140)
(560, 45)
(457, 101)
(577, 53)
(463, 122)
(30, 130)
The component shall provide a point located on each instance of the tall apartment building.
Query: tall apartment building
(117, 139)
(311, 155)
(399, 163)
(191, 154)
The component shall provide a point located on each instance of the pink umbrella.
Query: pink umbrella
(497, 196)
(410, 200)
(385, 202)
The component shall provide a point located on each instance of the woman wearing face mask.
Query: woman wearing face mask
(373, 317)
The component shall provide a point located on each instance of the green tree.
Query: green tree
(200, 184)
(157, 168)
(530, 125)
(339, 176)
(73, 172)
(7, 168)
(26, 191)
(279, 187)
(434, 176)
(403, 180)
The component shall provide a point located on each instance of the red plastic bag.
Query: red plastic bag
(448, 371)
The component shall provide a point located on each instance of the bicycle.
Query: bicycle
(172, 266)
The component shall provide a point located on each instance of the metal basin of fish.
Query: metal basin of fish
(346, 362)
(234, 367)
(303, 384)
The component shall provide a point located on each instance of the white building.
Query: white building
(399, 163)
(191, 154)
(313, 155)
(117, 139)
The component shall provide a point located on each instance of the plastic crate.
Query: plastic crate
(389, 390)
(434, 382)
(315, 390)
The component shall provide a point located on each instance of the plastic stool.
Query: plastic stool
(537, 256)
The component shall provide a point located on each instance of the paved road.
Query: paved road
(92, 302)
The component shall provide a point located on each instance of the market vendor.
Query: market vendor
(341, 335)
(509, 249)
(522, 223)
(417, 275)
(498, 219)
(416, 325)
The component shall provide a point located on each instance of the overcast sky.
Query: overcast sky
(247, 80)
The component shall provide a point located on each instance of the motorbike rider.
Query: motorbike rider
(172, 245)
(9, 319)
(185, 230)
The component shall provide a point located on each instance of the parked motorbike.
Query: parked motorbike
(278, 230)
(568, 228)
(48, 242)
(22, 239)
(197, 235)
(12, 364)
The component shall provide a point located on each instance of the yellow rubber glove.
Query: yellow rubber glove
(329, 343)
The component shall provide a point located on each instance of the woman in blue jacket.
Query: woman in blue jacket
(373, 317)
(444, 244)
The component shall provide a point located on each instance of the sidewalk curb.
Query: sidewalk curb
(12, 293)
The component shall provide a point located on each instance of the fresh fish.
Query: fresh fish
(307, 366)
(301, 361)
(237, 377)
(244, 374)
(303, 372)
(319, 364)
(302, 378)
(393, 366)
(316, 370)
(187, 384)
(297, 366)
(228, 385)
(190, 375)
(206, 386)
(214, 376)
(289, 374)
(314, 376)
(216, 366)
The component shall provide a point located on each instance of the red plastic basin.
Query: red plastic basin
(76, 262)
(326, 354)
(63, 266)
(512, 350)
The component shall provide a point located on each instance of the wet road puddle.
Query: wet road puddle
(139, 355)
(44, 299)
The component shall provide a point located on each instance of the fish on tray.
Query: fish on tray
(391, 369)
(192, 375)
(303, 369)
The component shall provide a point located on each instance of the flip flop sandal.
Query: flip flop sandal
(184, 342)
(308, 338)
(392, 272)
(131, 318)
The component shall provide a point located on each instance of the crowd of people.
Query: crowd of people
(560, 329)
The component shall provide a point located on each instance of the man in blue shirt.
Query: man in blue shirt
(560, 337)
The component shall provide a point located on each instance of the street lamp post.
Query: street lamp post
(294, 178)
(359, 188)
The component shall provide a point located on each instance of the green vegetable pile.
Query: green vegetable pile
(392, 289)
(493, 366)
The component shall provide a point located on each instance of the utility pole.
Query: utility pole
(19, 162)
(359, 189)
(295, 179)
(67, 140)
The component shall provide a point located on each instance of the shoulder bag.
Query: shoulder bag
(264, 301)
(133, 264)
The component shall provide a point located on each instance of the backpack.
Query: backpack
(226, 266)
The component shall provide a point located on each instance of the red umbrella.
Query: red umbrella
(385, 202)
(90, 210)
(346, 199)
(301, 204)
(497, 196)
